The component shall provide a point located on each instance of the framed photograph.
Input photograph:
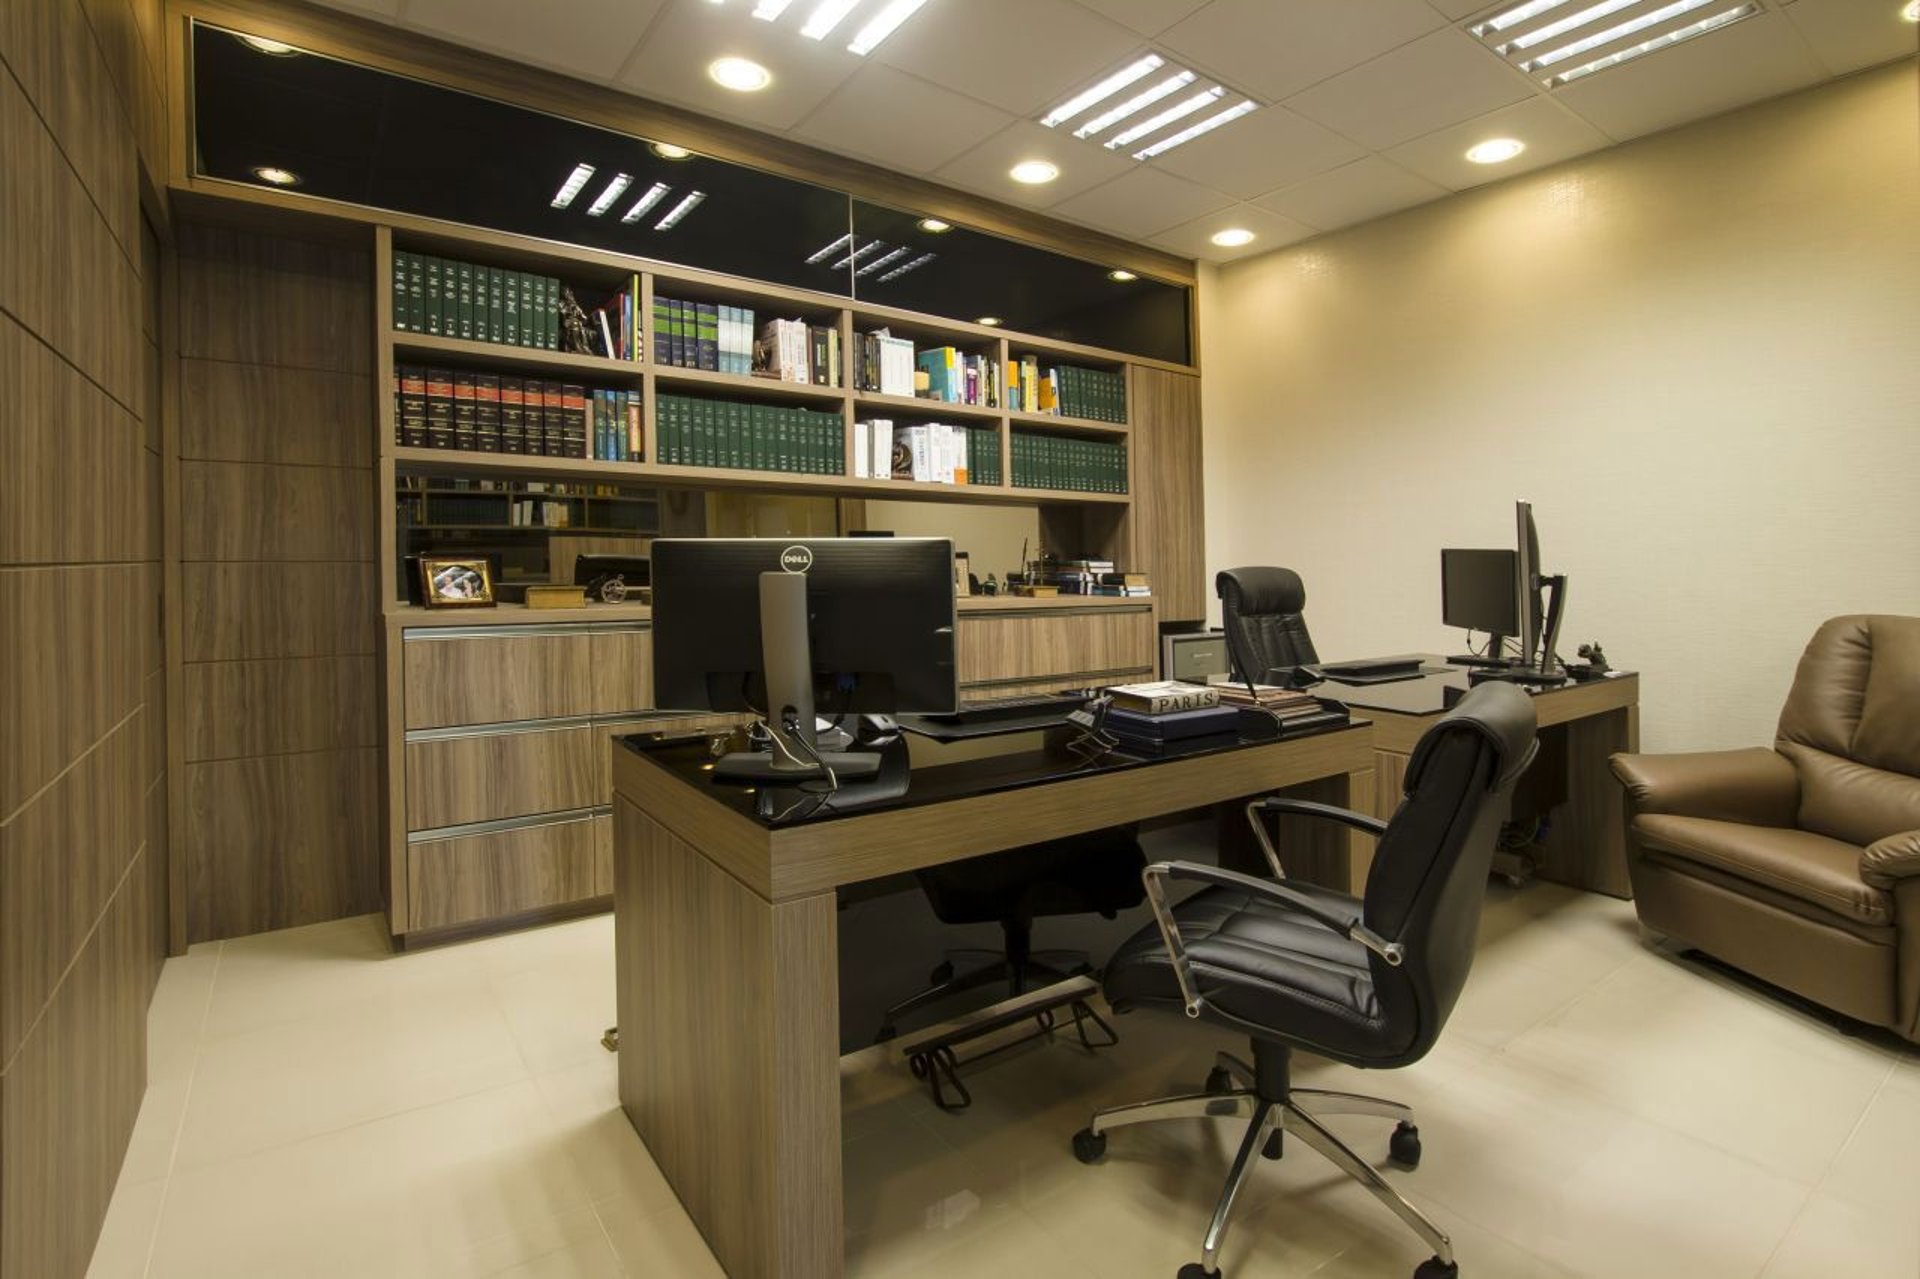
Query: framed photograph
(456, 583)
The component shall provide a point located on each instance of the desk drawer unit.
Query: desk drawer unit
(468, 875)
(1024, 651)
(494, 674)
(478, 776)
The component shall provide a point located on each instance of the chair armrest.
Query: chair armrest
(1758, 786)
(1303, 808)
(1274, 894)
(1894, 858)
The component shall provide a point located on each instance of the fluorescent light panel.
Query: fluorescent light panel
(899, 271)
(879, 262)
(1145, 98)
(571, 187)
(653, 195)
(768, 10)
(823, 254)
(604, 201)
(1103, 90)
(1688, 32)
(882, 25)
(827, 15)
(1193, 131)
(859, 253)
(1133, 126)
(1178, 111)
(1564, 40)
(680, 210)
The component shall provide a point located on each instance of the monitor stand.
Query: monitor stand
(787, 658)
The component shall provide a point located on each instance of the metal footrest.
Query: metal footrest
(935, 1060)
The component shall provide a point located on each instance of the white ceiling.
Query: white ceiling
(1366, 105)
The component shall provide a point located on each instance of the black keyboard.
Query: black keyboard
(993, 711)
(1406, 664)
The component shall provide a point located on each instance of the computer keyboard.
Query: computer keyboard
(994, 710)
(1405, 664)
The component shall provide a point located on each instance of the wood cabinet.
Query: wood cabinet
(622, 661)
(493, 674)
(1169, 526)
(482, 777)
(1001, 654)
(470, 878)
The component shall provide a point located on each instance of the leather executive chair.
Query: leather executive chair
(1260, 613)
(1801, 864)
(1367, 981)
(1093, 873)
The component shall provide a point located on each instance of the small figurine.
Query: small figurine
(992, 586)
(574, 336)
(1596, 659)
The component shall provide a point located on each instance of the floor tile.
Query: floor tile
(459, 1188)
(1013, 1244)
(156, 1129)
(659, 1244)
(558, 1010)
(588, 1122)
(177, 1015)
(126, 1237)
(1877, 1171)
(1833, 1237)
(394, 1049)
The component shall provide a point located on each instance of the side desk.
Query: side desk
(1582, 723)
(726, 938)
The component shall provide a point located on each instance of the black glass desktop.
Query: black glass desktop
(784, 628)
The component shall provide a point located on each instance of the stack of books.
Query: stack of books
(492, 413)
(442, 298)
(1098, 577)
(616, 323)
(883, 363)
(1294, 708)
(703, 335)
(1043, 461)
(795, 351)
(749, 437)
(1153, 719)
(930, 453)
(955, 377)
(1069, 391)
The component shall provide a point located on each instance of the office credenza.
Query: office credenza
(726, 938)
(498, 722)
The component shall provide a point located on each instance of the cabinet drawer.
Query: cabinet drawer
(1040, 648)
(476, 877)
(483, 777)
(504, 674)
(622, 671)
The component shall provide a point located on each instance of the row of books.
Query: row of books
(444, 298)
(956, 377)
(1172, 715)
(1087, 577)
(795, 351)
(1090, 393)
(490, 413)
(703, 335)
(1062, 463)
(749, 437)
(929, 453)
(883, 363)
(615, 325)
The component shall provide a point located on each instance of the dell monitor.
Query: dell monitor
(1477, 594)
(784, 628)
(1539, 627)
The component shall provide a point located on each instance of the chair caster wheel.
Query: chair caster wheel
(1434, 1268)
(1218, 1081)
(1404, 1149)
(1089, 1147)
(942, 973)
(1194, 1270)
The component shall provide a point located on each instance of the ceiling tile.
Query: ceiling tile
(1359, 192)
(388, 9)
(585, 38)
(1148, 17)
(1018, 55)
(1847, 35)
(984, 168)
(673, 58)
(1440, 80)
(1275, 49)
(900, 121)
(1271, 231)
(1551, 135)
(1460, 10)
(1141, 204)
(1270, 148)
(1750, 60)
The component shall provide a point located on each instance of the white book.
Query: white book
(917, 446)
(957, 456)
(862, 450)
(943, 453)
(882, 465)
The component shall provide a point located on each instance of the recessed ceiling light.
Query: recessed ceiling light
(1232, 238)
(742, 75)
(1119, 276)
(1034, 172)
(278, 177)
(1910, 12)
(991, 321)
(1495, 150)
(668, 151)
(571, 187)
(882, 25)
(604, 201)
(936, 226)
(1559, 41)
(260, 44)
(680, 210)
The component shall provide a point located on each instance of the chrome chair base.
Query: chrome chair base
(1296, 1113)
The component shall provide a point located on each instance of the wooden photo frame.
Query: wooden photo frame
(451, 582)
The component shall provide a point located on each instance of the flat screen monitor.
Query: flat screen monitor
(1526, 583)
(1477, 592)
(879, 618)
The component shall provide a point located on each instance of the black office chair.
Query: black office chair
(1097, 873)
(1260, 612)
(1367, 981)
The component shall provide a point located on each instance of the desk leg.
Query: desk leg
(1317, 852)
(729, 1051)
(1588, 844)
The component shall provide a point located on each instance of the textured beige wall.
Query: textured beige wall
(1698, 355)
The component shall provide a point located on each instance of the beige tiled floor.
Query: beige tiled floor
(1596, 1107)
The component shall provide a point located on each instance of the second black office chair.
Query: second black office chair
(1365, 981)
(1260, 610)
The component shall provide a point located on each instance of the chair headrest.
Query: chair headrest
(1259, 591)
(1498, 712)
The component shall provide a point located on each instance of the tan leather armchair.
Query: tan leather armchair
(1801, 864)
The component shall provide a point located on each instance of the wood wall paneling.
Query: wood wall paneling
(1170, 526)
(273, 300)
(274, 514)
(231, 613)
(280, 840)
(263, 413)
(280, 706)
(458, 881)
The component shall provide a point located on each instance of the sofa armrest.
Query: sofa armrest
(1757, 786)
(1886, 861)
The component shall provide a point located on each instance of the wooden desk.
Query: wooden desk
(1583, 723)
(725, 944)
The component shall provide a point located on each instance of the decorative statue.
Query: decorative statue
(574, 335)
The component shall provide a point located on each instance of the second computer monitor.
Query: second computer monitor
(1477, 591)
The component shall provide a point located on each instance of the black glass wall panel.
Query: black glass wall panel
(369, 137)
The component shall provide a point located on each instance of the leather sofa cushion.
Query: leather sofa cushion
(1852, 802)
(1886, 862)
(1812, 868)
(1850, 728)
(1264, 965)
